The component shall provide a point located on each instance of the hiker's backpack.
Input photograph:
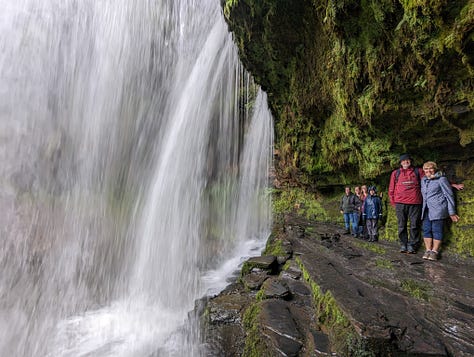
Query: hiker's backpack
(417, 174)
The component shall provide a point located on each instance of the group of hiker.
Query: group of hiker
(362, 210)
(422, 199)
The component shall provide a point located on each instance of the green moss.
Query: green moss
(246, 268)
(260, 295)
(460, 235)
(372, 247)
(327, 311)
(331, 317)
(383, 263)
(298, 200)
(254, 344)
(274, 247)
(352, 84)
(359, 347)
(286, 266)
(390, 232)
(416, 289)
(310, 229)
(228, 5)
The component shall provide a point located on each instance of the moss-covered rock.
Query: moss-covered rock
(354, 83)
(460, 235)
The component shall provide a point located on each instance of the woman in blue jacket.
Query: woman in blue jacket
(438, 204)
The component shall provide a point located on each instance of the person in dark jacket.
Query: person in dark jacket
(405, 195)
(350, 206)
(372, 208)
(438, 204)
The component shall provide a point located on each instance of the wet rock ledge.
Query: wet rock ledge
(317, 292)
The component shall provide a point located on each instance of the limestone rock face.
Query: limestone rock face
(354, 84)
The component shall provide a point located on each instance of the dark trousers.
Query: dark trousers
(408, 213)
(372, 229)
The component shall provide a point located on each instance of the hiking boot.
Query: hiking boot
(403, 249)
(411, 250)
(347, 231)
(427, 254)
(433, 255)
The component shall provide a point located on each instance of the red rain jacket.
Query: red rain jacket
(406, 189)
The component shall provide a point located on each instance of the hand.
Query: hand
(454, 217)
(342, 211)
(458, 186)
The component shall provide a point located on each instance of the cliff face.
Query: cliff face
(352, 84)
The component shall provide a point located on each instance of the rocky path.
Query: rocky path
(393, 303)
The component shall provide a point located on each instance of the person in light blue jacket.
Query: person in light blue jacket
(438, 204)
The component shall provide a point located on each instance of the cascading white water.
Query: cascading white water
(133, 180)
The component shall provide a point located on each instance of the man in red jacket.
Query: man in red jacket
(405, 195)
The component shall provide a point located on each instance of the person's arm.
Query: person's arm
(457, 186)
(448, 194)
(357, 203)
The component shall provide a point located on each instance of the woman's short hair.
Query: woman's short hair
(430, 165)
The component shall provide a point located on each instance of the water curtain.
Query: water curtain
(135, 156)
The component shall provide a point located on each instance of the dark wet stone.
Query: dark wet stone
(266, 262)
(254, 280)
(293, 273)
(282, 345)
(298, 288)
(287, 247)
(283, 259)
(226, 309)
(383, 313)
(295, 231)
(275, 288)
(278, 325)
(351, 255)
(225, 341)
(321, 343)
(367, 287)
(324, 236)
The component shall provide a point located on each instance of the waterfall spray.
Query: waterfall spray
(133, 177)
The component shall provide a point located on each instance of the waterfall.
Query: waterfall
(135, 156)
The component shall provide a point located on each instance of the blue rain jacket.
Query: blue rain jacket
(372, 207)
(437, 197)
